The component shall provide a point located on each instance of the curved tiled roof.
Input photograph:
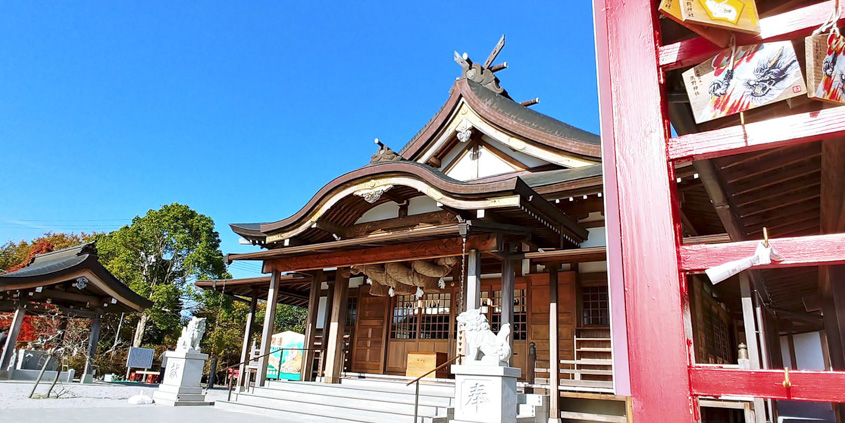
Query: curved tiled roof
(51, 268)
(511, 116)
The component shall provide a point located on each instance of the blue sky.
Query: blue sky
(243, 110)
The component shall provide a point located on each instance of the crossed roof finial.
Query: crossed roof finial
(484, 74)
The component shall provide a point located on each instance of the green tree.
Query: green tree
(158, 255)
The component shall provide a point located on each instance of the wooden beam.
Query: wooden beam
(508, 276)
(12, 336)
(330, 228)
(786, 157)
(268, 329)
(574, 255)
(554, 349)
(93, 339)
(71, 296)
(785, 26)
(249, 329)
(414, 251)
(311, 323)
(832, 278)
(796, 252)
(473, 281)
(707, 239)
(776, 132)
(815, 386)
(337, 326)
(749, 322)
(774, 182)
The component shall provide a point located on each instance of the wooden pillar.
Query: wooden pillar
(473, 288)
(748, 321)
(93, 339)
(508, 275)
(751, 338)
(337, 326)
(269, 327)
(327, 317)
(554, 358)
(832, 278)
(12, 337)
(249, 328)
(311, 324)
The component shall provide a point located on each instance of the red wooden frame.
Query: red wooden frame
(642, 239)
(818, 250)
(805, 386)
(646, 259)
(785, 26)
(772, 133)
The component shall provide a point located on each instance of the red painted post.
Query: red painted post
(642, 237)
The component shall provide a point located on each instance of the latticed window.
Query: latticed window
(351, 311)
(493, 308)
(404, 318)
(435, 316)
(594, 306)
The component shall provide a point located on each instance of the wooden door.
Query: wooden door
(420, 325)
(370, 333)
(538, 315)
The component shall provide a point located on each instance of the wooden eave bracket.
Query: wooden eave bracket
(551, 216)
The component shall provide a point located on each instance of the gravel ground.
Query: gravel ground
(13, 395)
(107, 403)
(140, 414)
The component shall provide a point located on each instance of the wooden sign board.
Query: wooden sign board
(672, 10)
(421, 362)
(759, 74)
(734, 15)
(826, 67)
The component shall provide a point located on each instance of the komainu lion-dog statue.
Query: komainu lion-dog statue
(482, 345)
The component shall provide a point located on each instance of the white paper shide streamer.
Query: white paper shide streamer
(763, 255)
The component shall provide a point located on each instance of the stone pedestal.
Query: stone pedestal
(181, 385)
(485, 393)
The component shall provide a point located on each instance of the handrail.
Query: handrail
(450, 361)
(417, 381)
(229, 397)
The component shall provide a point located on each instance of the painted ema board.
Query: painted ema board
(672, 9)
(140, 358)
(735, 15)
(826, 67)
(748, 78)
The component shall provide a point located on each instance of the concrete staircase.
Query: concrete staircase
(353, 400)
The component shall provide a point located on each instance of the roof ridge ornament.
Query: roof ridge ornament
(384, 154)
(484, 74)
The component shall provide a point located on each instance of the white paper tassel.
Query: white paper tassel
(369, 281)
(390, 292)
(441, 283)
(762, 256)
(419, 293)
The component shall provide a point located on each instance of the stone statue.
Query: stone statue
(191, 335)
(482, 345)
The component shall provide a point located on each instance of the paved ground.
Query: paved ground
(105, 403)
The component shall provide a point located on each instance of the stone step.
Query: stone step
(327, 411)
(385, 402)
(356, 392)
(426, 388)
(592, 417)
(284, 416)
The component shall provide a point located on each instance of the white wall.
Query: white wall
(595, 238)
(808, 351)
